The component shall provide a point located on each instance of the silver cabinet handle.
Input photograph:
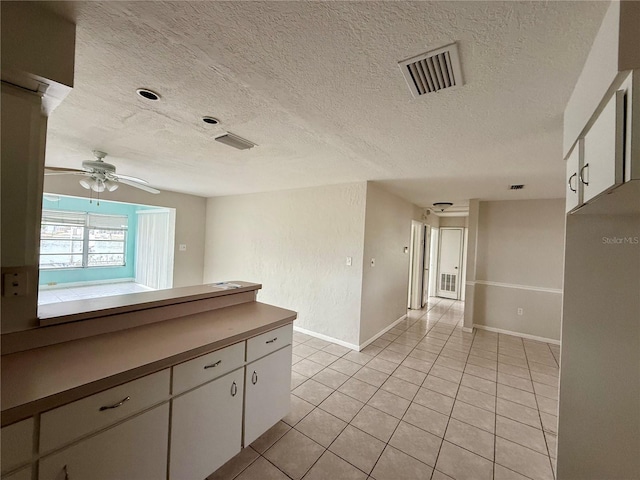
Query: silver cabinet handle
(213, 365)
(234, 389)
(116, 405)
(582, 176)
(272, 340)
(254, 377)
(570, 178)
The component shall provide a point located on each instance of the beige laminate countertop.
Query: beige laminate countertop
(99, 307)
(43, 378)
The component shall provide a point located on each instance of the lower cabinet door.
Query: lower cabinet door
(268, 395)
(135, 449)
(206, 428)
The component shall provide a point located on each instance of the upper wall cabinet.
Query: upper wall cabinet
(604, 150)
(607, 155)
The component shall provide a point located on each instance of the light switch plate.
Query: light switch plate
(349, 261)
(182, 247)
(373, 262)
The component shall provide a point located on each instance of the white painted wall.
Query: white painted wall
(520, 247)
(599, 416)
(190, 221)
(385, 286)
(295, 244)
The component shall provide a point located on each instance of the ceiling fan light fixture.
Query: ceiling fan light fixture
(98, 186)
(111, 186)
(85, 183)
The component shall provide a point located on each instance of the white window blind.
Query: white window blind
(100, 221)
(58, 217)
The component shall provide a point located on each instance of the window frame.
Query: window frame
(87, 227)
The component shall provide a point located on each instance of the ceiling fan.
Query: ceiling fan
(100, 175)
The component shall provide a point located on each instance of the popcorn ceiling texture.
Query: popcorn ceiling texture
(316, 85)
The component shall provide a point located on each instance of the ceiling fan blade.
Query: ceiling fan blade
(129, 177)
(63, 169)
(79, 172)
(138, 185)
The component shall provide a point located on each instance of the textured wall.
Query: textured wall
(295, 243)
(520, 249)
(384, 287)
(190, 219)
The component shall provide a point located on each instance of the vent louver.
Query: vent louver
(235, 141)
(516, 187)
(433, 71)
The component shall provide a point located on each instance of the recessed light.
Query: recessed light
(148, 94)
(210, 120)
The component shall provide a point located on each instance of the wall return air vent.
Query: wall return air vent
(433, 71)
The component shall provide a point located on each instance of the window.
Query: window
(82, 240)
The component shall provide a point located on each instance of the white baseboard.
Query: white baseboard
(379, 334)
(352, 346)
(517, 334)
(86, 284)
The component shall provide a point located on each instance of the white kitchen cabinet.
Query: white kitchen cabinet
(206, 427)
(267, 395)
(17, 444)
(603, 167)
(135, 449)
(574, 187)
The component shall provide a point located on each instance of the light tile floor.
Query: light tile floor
(55, 295)
(424, 401)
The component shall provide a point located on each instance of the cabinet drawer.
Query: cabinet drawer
(66, 423)
(17, 444)
(269, 342)
(207, 367)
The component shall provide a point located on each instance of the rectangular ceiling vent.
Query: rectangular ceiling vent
(516, 187)
(235, 141)
(433, 71)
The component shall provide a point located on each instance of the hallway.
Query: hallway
(424, 401)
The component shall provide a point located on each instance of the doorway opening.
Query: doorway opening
(419, 265)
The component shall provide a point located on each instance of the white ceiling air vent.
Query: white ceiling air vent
(433, 71)
(235, 141)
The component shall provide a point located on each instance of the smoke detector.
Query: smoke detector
(433, 71)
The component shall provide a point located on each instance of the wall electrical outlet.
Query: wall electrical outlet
(15, 284)
(373, 262)
(520, 311)
(349, 261)
(182, 247)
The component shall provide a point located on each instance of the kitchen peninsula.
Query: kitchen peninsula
(163, 384)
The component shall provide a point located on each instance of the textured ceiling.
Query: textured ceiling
(316, 85)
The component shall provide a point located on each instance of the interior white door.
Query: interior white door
(417, 265)
(426, 262)
(449, 262)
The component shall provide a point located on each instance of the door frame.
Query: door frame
(460, 257)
